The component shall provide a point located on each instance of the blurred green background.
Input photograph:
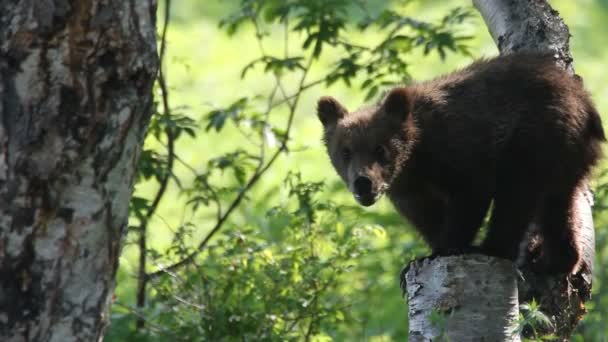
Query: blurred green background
(203, 69)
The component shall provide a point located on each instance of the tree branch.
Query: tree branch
(142, 243)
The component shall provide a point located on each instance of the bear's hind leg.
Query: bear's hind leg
(559, 246)
(515, 207)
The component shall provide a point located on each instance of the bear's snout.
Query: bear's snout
(363, 185)
(363, 191)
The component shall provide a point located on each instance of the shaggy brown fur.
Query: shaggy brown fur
(514, 129)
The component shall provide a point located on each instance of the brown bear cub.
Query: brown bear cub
(514, 129)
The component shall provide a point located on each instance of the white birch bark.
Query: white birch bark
(462, 298)
(75, 99)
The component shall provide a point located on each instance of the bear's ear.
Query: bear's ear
(330, 111)
(398, 103)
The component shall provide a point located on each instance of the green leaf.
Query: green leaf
(371, 93)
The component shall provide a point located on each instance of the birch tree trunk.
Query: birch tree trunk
(463, 298)
(515, 25)
(75, 100)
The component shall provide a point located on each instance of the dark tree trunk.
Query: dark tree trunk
(75, 99)
(515, 25)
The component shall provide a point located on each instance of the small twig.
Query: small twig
(304, 87)
(259, 36)
(286, 33)
(314, 300)
(186, 165)
(214, 195)
(266, 116)
(188, 303)
(152, 326)
(142, 279)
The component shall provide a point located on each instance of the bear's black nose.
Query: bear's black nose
(363, 185)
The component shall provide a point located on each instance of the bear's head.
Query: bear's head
(370, 146)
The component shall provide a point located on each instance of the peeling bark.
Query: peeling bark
(75, 100)
(446, 282)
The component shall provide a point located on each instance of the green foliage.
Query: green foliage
(532, 319)
(254, 289)
(384, 64)
(323, 23)
(439, 321)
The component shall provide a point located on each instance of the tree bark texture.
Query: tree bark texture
(525, 25)
(462, 298)
(443, 284)
(75, 100)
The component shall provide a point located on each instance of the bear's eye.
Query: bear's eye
(380, 154)
(346, 155)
